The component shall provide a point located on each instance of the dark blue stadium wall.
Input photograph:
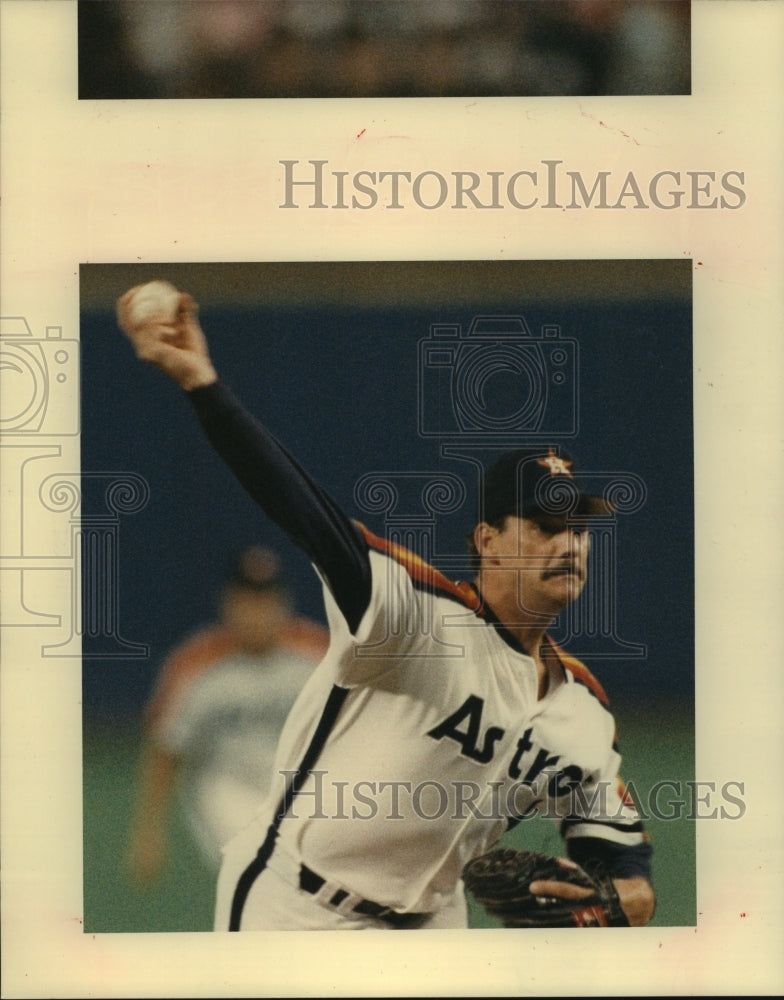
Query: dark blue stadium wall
(341, 387)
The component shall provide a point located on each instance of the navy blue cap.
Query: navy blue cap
(536, 480)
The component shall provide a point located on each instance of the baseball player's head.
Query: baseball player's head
(256, 604)
(531, 536)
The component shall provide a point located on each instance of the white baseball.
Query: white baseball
(156, 298)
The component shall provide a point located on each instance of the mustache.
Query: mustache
(562, 569)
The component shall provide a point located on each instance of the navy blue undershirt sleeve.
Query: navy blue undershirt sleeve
(288, 496)
(621, 861)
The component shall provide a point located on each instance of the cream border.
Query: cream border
(131, 180)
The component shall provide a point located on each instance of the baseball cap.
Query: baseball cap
(542, 480)
(255, 568)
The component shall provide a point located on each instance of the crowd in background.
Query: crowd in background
(382, 48)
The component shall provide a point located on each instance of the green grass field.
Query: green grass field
(182, 900)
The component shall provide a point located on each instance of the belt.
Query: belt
(314, 884)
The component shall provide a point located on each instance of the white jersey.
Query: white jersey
(420, 740)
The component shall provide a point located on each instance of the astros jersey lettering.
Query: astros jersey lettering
(437, 744)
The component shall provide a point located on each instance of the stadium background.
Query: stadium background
(163, 49)
(328, 355)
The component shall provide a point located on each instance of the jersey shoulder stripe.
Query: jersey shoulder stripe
(582, 675)
(422, 573)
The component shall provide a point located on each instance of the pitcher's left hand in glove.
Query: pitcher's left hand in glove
(500, 880)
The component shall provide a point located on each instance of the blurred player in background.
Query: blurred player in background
(211, 727)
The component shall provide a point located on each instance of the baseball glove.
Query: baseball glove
(499, 881)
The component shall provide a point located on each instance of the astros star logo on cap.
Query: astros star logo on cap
(557, 466)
